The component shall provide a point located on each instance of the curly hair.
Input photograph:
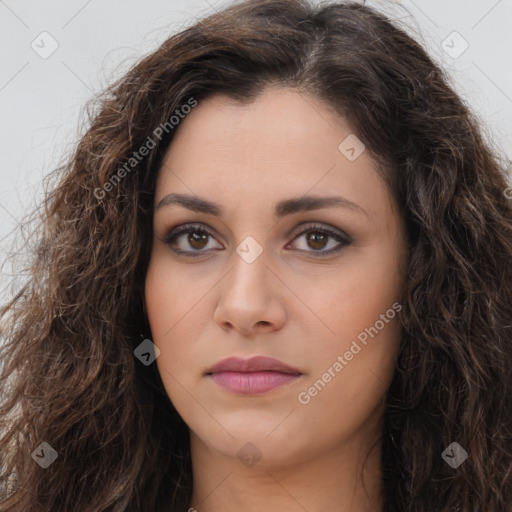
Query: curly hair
(68, 373)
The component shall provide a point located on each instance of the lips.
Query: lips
(253, 376)
(254, 364)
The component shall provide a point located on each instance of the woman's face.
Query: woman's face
(276, 270)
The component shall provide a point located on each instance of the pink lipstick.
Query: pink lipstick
(252, 376)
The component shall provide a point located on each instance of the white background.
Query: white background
(41, 100)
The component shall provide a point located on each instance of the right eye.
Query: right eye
(193, 245)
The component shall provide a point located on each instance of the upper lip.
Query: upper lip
(253, 364)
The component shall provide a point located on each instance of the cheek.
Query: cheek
(177, 318)
(172, 297)
(177, 307)
(161, 299)
(360, 306)
(351, 371)
(164, 307)
(351, 298)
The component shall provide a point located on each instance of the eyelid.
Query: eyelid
(310, 226)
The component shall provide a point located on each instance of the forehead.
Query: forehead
(283, 144)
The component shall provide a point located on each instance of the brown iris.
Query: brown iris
(317, 238)
(197, 238)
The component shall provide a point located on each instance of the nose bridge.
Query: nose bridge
(248, 298)
(249, 268)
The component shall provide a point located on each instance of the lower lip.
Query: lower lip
(252, 383)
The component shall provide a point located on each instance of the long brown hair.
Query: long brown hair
(69, 376)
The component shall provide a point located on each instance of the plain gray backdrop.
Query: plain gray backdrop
(56, 55)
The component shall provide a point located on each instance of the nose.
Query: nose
(251, 298)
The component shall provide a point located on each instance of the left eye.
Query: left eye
(316, 237)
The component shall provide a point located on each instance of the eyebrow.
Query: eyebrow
(282, 208)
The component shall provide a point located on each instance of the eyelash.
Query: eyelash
(173, 234)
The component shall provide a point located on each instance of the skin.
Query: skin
(290, 303)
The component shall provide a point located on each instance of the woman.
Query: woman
(275, 275)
